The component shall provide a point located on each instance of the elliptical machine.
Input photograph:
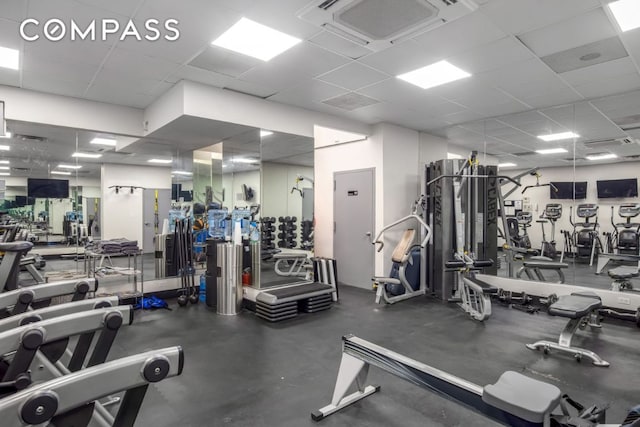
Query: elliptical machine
(522, 220)
(625, 238)
(585, 234)
(552, 213)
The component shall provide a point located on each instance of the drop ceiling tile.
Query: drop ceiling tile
(619, 84)
(462, 117)
(617, 106)
(250, 88)
(198, 75)
(281, 14)
(402, 93)
(122, 7)
(353, 76)
(492, 56)
(587, 55)
(303, 61)
(122, 82)
(119, 96)
(311, 90)
(10, 34)
(224, 61)
(569, 33)
(43, 81)
(60, 70)
(15, 10)
(600, 73)
(339, 45)
(398, 59)
(78, 52)
(136, 65)
(459, 36)
(519, 16)
(518, 119)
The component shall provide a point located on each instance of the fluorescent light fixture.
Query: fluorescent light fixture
(7, 135)
(453, 156)
(506, 165)
(60, 173)
(182, 173)
(434, 75)
(4, 168)
(86, 155)
(69, 166)
(627, 13)
(552, 151)
(256, 40)
(558, 136)
(103, 141)
(602, 156)
(5, 174)
(4, 162)
(243, 160)
(9, 58)
(5, 148)
(264, 133)
(160, 161)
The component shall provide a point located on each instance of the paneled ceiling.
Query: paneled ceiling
(528, 58)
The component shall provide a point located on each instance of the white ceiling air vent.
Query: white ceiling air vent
(377, 24)
(603, 143)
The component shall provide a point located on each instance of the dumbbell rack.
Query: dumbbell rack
(267, 228)
(287, 236)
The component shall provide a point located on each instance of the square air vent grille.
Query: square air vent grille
(383, 19)
(350, 101)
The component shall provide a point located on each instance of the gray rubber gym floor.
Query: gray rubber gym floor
(241, 371)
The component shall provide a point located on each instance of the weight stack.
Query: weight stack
(210, 275)
(256, 256)
(160, 243)
(171, 268)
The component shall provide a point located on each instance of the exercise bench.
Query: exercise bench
(581, 308)
(622, 278)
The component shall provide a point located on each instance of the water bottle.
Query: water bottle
(203, 288)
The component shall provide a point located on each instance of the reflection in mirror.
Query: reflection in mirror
(572, 214)
(287, 207)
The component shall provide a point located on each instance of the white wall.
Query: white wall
(539, 197)
(121, 214)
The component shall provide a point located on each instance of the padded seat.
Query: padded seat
(623, 272)
(576, 305)
(16, 246)
(552, 265)
(522, 396)
(487, 289)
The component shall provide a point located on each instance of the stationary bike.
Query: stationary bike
(552, 213)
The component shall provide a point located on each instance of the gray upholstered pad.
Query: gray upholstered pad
(545, 264)
(623, 272)
(522, 396)
(575, 305)
(16, 246)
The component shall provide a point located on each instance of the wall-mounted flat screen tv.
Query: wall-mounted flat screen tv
(617, 188)
(48, 188)
(565, 190)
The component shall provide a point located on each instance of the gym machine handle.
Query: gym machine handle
(476, 264)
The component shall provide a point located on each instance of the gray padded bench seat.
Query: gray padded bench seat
(623, 272)
(545, 264)
(524, 397)
(487, 289)
(581, 308)
(575, 306)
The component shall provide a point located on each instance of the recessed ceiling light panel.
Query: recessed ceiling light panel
(160, 161)
(86, 155)
(507, 165)
(552, 151)
(9, 58)
(5, 148)
(60, 173)
(604, 156)
(434, 75)
(264, 133)
(558, 136)
(69, 166)
(256, 40)
(627, 13)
